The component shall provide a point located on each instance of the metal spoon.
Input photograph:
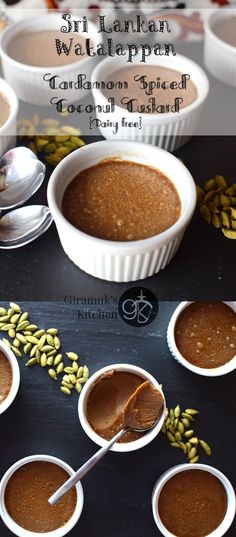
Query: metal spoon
(83, 470)
(21, 174)
(24, 225)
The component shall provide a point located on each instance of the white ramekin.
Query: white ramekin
(114, 260)
(8, 130)
(213, 372)
(27, 79)
(18, 530)
(231, 504)
(170, 130)
(15, 377)
(82, 407)
(219, 56)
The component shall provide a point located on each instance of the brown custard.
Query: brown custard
(39, 50)
(205, 334)
(4, 109)
(107, 403)
(121, 201)
(206, 502)
(5, 377)
(138, 78)
(226, 30)
(27, 493)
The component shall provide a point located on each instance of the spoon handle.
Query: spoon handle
(83, 470)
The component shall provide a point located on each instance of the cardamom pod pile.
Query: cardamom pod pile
(54, 142)
(42, 347)
(178, 427)
(217, 203)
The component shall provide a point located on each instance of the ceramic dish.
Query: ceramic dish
(27, 79)
(219, 56)
(15, 377)
(8, 130)
(127, 446)
(18, 530)
(114, 260)
(211, 372)
(169, 130)
(231, 504)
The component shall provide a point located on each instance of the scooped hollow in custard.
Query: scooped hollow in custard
(144, 407)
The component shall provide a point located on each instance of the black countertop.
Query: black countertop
(202, 268)
(43, 420)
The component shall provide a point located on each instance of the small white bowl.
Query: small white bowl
(211, 372)
(82, 407)
(219, 56)
(15, 377)
(27, 79)
(8, 130)
(18, 530)
(114, 260)
(231, 503)
(170, 130)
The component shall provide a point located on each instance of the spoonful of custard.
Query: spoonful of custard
(143, 408)
(142, 412)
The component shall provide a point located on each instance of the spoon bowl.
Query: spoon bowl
(24, 225)
(21, 175)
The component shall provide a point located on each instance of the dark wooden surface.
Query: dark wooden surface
(42, 420)
(203, 266)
